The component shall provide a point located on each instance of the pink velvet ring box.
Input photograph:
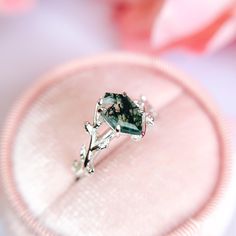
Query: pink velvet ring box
(174, 182)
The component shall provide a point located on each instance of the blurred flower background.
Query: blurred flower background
(199, 36)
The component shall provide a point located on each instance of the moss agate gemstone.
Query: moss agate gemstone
(121, 110)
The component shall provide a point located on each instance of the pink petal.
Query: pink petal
(190, 23)
(197, 25)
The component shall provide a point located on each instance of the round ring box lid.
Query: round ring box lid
(175, 181)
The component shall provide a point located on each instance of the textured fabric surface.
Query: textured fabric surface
(146, 188)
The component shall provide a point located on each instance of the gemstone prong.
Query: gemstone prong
(136, 137)
(100, 101)
(118, 128)
(143, 98)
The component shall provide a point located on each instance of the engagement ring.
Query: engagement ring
(121, 115)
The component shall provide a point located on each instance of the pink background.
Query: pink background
(28, 49)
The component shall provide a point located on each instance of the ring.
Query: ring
(121, 115)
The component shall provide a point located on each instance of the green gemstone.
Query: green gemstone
(122, 111)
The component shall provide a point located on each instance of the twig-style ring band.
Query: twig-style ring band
(121, 115)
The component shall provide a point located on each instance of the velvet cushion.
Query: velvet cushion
(165, 184)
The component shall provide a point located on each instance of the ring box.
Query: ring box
(175, 181)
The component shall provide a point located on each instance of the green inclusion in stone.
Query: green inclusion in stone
(122, 111)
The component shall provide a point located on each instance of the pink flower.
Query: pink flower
(157, 25)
